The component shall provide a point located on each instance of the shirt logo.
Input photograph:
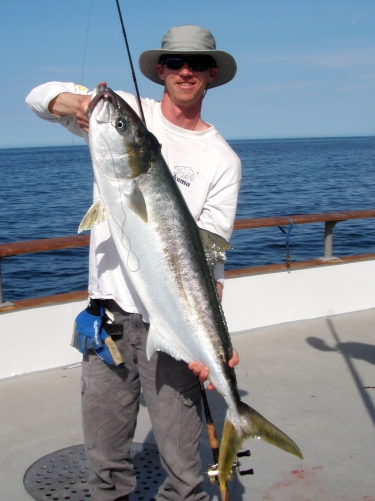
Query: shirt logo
(183, 175)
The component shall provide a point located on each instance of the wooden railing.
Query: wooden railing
(329, 219)
(47, 244)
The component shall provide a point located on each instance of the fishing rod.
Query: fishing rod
(214, 444)
(131, 64)
(211, 430)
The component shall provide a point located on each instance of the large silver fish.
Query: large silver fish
(168, 261)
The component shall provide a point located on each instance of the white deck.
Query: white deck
(308, 377)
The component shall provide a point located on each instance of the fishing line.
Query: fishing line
(83, 60)
(131, 64)
(126, 244)
(87, 37)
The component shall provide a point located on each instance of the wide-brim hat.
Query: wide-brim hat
(188, 39)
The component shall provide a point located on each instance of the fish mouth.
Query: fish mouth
(103, 95)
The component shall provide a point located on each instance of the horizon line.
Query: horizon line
(260, 138)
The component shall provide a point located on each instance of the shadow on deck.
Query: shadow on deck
(314, 379)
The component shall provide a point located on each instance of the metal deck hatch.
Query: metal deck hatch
(63, 475)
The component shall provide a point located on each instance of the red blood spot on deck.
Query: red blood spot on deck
(297, 482)
(299, 473)
(304, 484)
(302, 474)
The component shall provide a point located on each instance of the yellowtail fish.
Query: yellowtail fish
(167, 261)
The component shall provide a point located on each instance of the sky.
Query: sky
(306, 68)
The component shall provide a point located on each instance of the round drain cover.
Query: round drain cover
(63, 475)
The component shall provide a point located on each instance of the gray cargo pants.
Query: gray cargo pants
(110, 404)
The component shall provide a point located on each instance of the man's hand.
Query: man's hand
(68, 103)
(202, 371)
(82, 116)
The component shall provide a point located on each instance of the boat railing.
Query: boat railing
(330, 219)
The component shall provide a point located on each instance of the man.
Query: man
(208, 173)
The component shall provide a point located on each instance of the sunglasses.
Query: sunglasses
(195, 63)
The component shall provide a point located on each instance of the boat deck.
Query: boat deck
(314, 379)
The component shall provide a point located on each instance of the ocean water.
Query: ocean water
(45, 192)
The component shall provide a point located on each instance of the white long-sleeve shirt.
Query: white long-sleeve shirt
(206, 169)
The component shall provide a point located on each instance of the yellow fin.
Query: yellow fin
(134, 199)
(253, 425)
(213, 245)
(231, 442)
(95, 215)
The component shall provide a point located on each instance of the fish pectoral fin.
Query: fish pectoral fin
(253, 425)
(95, 215)
(213, 245)
(134, 199)
(155, 342)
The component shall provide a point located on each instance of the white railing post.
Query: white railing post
(7, 303)
(328, 239)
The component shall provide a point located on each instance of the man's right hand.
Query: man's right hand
(68, 103)
(82, 117)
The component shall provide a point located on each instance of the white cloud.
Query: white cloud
(329, 59)
(291, 86)
(345, 59)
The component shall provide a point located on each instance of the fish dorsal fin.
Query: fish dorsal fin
(155, 342)
(213, 245)
(134, 199)
(95, 215)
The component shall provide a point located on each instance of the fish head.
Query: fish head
(120, 144)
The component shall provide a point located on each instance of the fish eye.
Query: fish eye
(120, 125)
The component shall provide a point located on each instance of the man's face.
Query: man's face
(185, 87)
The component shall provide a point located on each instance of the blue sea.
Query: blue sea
(45, 192)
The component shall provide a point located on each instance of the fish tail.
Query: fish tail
(252, 425)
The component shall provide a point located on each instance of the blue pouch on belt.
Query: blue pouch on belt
(89, 333)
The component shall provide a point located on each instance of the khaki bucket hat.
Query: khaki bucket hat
(189, 39)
